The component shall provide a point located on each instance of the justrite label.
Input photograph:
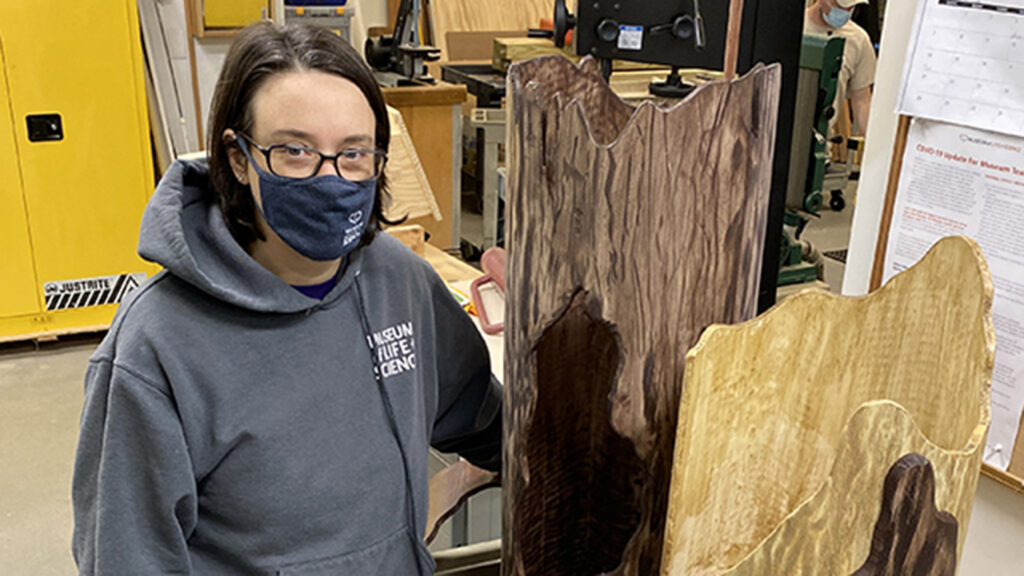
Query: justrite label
(85, 292)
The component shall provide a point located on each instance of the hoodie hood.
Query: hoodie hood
(183, 230)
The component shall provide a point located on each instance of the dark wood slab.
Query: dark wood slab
(630, 230)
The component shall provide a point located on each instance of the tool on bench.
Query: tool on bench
(400, 59)
(493, 264)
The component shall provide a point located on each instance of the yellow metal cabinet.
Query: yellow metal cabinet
(17, 286)
(234, 13)
(75, 163)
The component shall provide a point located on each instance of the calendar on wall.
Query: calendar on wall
(965, 64)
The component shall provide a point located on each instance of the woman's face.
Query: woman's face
(308, 108)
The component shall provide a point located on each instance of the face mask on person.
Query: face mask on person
(322, 217)
(836, 17)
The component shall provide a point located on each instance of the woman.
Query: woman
(265, 404)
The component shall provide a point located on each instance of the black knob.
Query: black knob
(563, 22)
(378, 52)
(683, 27)
(608, 30)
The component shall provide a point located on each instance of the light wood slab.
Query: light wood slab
(790, 423)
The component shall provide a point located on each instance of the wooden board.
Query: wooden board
(889, 205)
(630, 230)
(53, 335)
(508, 51)
(475, 46)
(411, 195)
(485, 15)
(790, 423)
(449, 268)
(412, 236)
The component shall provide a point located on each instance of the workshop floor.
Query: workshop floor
(831, 234)
(40, 404)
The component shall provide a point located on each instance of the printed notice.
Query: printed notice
(962, 181)
(965, 64)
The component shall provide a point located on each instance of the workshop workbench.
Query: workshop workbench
(450, 269)
(460, 275)
(433, 116)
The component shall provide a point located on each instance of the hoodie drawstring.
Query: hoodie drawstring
(392, 421)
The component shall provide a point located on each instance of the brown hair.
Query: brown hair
(260, 51)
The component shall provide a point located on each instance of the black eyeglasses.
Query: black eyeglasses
(296, 161)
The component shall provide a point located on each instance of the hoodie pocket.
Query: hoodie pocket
(393, 555)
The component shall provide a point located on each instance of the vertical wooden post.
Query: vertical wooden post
(732, 38)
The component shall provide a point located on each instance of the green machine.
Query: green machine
(821, 59)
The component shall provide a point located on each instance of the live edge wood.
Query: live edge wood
(630, 230)
(790, 423)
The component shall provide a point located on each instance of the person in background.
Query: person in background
(832, 17)
(265, 404)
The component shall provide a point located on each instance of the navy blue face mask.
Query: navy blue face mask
(322, 217)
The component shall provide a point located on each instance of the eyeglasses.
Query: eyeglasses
(296, 161)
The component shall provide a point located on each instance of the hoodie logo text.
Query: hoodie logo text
(395, 349)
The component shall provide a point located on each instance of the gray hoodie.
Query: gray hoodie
(234, 426)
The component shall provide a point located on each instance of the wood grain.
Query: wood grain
(789, 423)
(911, 535)
(486, 15)
(449, 268)
(412, 236)
(630, 230)
(509, 50)
(732, 38)
(408, 186)
(584, 475)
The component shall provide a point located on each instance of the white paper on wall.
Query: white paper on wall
(963, 181)
(965, 64)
